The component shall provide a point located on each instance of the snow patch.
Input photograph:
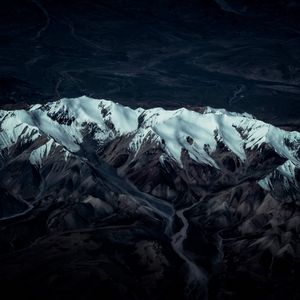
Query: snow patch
(39, 154)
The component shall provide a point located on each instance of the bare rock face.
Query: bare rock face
(147, 204)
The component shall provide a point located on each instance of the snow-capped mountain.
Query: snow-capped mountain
(187, 179)
(68, 122)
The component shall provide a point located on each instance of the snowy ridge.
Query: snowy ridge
(36, 156)
(220, 111)
(16, 125)
(67, 122)
(40, 154)
(287, 171)
(143, 135)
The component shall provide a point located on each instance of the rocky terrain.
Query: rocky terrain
(101, 199)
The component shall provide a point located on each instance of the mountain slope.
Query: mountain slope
(211, 193)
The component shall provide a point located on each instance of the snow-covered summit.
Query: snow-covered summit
(67, 122)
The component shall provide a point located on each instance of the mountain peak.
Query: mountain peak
(70, 121)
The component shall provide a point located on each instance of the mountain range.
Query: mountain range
(192, 203)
